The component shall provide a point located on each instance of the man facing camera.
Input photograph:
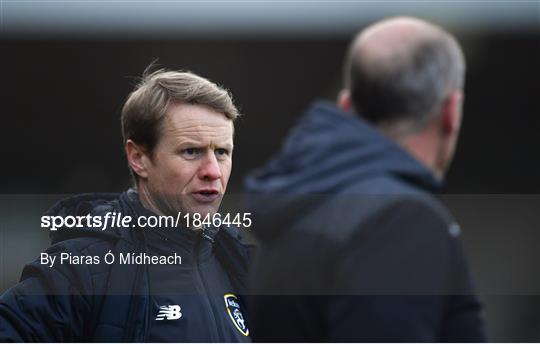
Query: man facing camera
(353, 241)
(177, 280)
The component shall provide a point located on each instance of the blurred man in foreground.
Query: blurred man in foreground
(353, 242)
(176, 281)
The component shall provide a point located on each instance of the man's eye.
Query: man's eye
(222, 152)
(190, 153)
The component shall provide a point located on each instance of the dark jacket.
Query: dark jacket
(354, 242)
(120, 302)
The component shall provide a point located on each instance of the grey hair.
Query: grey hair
(409, 88)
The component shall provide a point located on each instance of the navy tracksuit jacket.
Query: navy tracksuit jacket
(353, 245)
(197, 300)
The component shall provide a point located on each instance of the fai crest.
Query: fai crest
(233, 308)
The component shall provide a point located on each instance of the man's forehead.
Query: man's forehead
(202, 137)
(198, 126)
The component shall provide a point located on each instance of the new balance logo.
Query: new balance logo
(169, 313)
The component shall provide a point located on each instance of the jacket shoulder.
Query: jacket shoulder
(82, 204)
(373, 202)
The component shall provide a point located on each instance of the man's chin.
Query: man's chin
(202, 210)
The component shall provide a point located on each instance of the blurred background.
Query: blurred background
(69, 65)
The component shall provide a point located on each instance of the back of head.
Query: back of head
(400, 71)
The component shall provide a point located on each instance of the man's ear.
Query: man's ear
(451, 113)
(137, 158)
(344, 100)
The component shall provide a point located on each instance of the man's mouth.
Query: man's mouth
(206, 195)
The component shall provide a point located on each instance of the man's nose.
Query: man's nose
(209, 169)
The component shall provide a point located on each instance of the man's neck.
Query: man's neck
(423, 148)
(146, 199)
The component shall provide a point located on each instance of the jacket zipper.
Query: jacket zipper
(205, 289)
(132, 309)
